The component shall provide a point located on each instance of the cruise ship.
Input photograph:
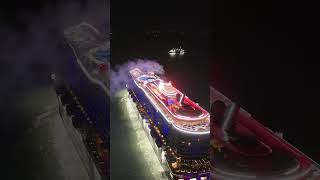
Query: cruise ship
(243, 149)
(177, 127)
(83, 96)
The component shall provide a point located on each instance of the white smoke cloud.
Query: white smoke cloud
(120, 74)
(30, 55)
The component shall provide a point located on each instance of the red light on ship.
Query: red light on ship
(103, 67)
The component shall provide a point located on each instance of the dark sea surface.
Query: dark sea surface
(189, 72)
(264, 56)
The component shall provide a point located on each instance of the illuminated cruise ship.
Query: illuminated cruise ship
(178, 128)
(83, 96)
(243, 149)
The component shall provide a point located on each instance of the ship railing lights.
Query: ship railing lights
(172, 51)
(167, 118)
(172, 175)
(163, 157)
(177, 116)
(161, 86)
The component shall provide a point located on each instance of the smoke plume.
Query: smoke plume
(29, 54)
(120, 74)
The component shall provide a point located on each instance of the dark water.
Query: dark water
(260, 56)
(263, 57)
(189, 73)
(26, 151)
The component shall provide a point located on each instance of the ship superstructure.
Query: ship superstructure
(178, 126)
(243, 149)
(83, 96)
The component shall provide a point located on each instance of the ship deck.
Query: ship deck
(199, 125)
(188, 111)
(87, 44)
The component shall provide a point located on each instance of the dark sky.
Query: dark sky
(264, 55)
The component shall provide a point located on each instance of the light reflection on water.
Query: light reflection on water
(132, 154)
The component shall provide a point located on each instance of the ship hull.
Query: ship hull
(84, 103)
(170, 135)
(78, 141)
(81, 87)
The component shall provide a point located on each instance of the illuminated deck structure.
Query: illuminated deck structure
(243, 149)
(179, 127)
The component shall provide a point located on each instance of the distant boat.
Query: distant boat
(177, 51)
